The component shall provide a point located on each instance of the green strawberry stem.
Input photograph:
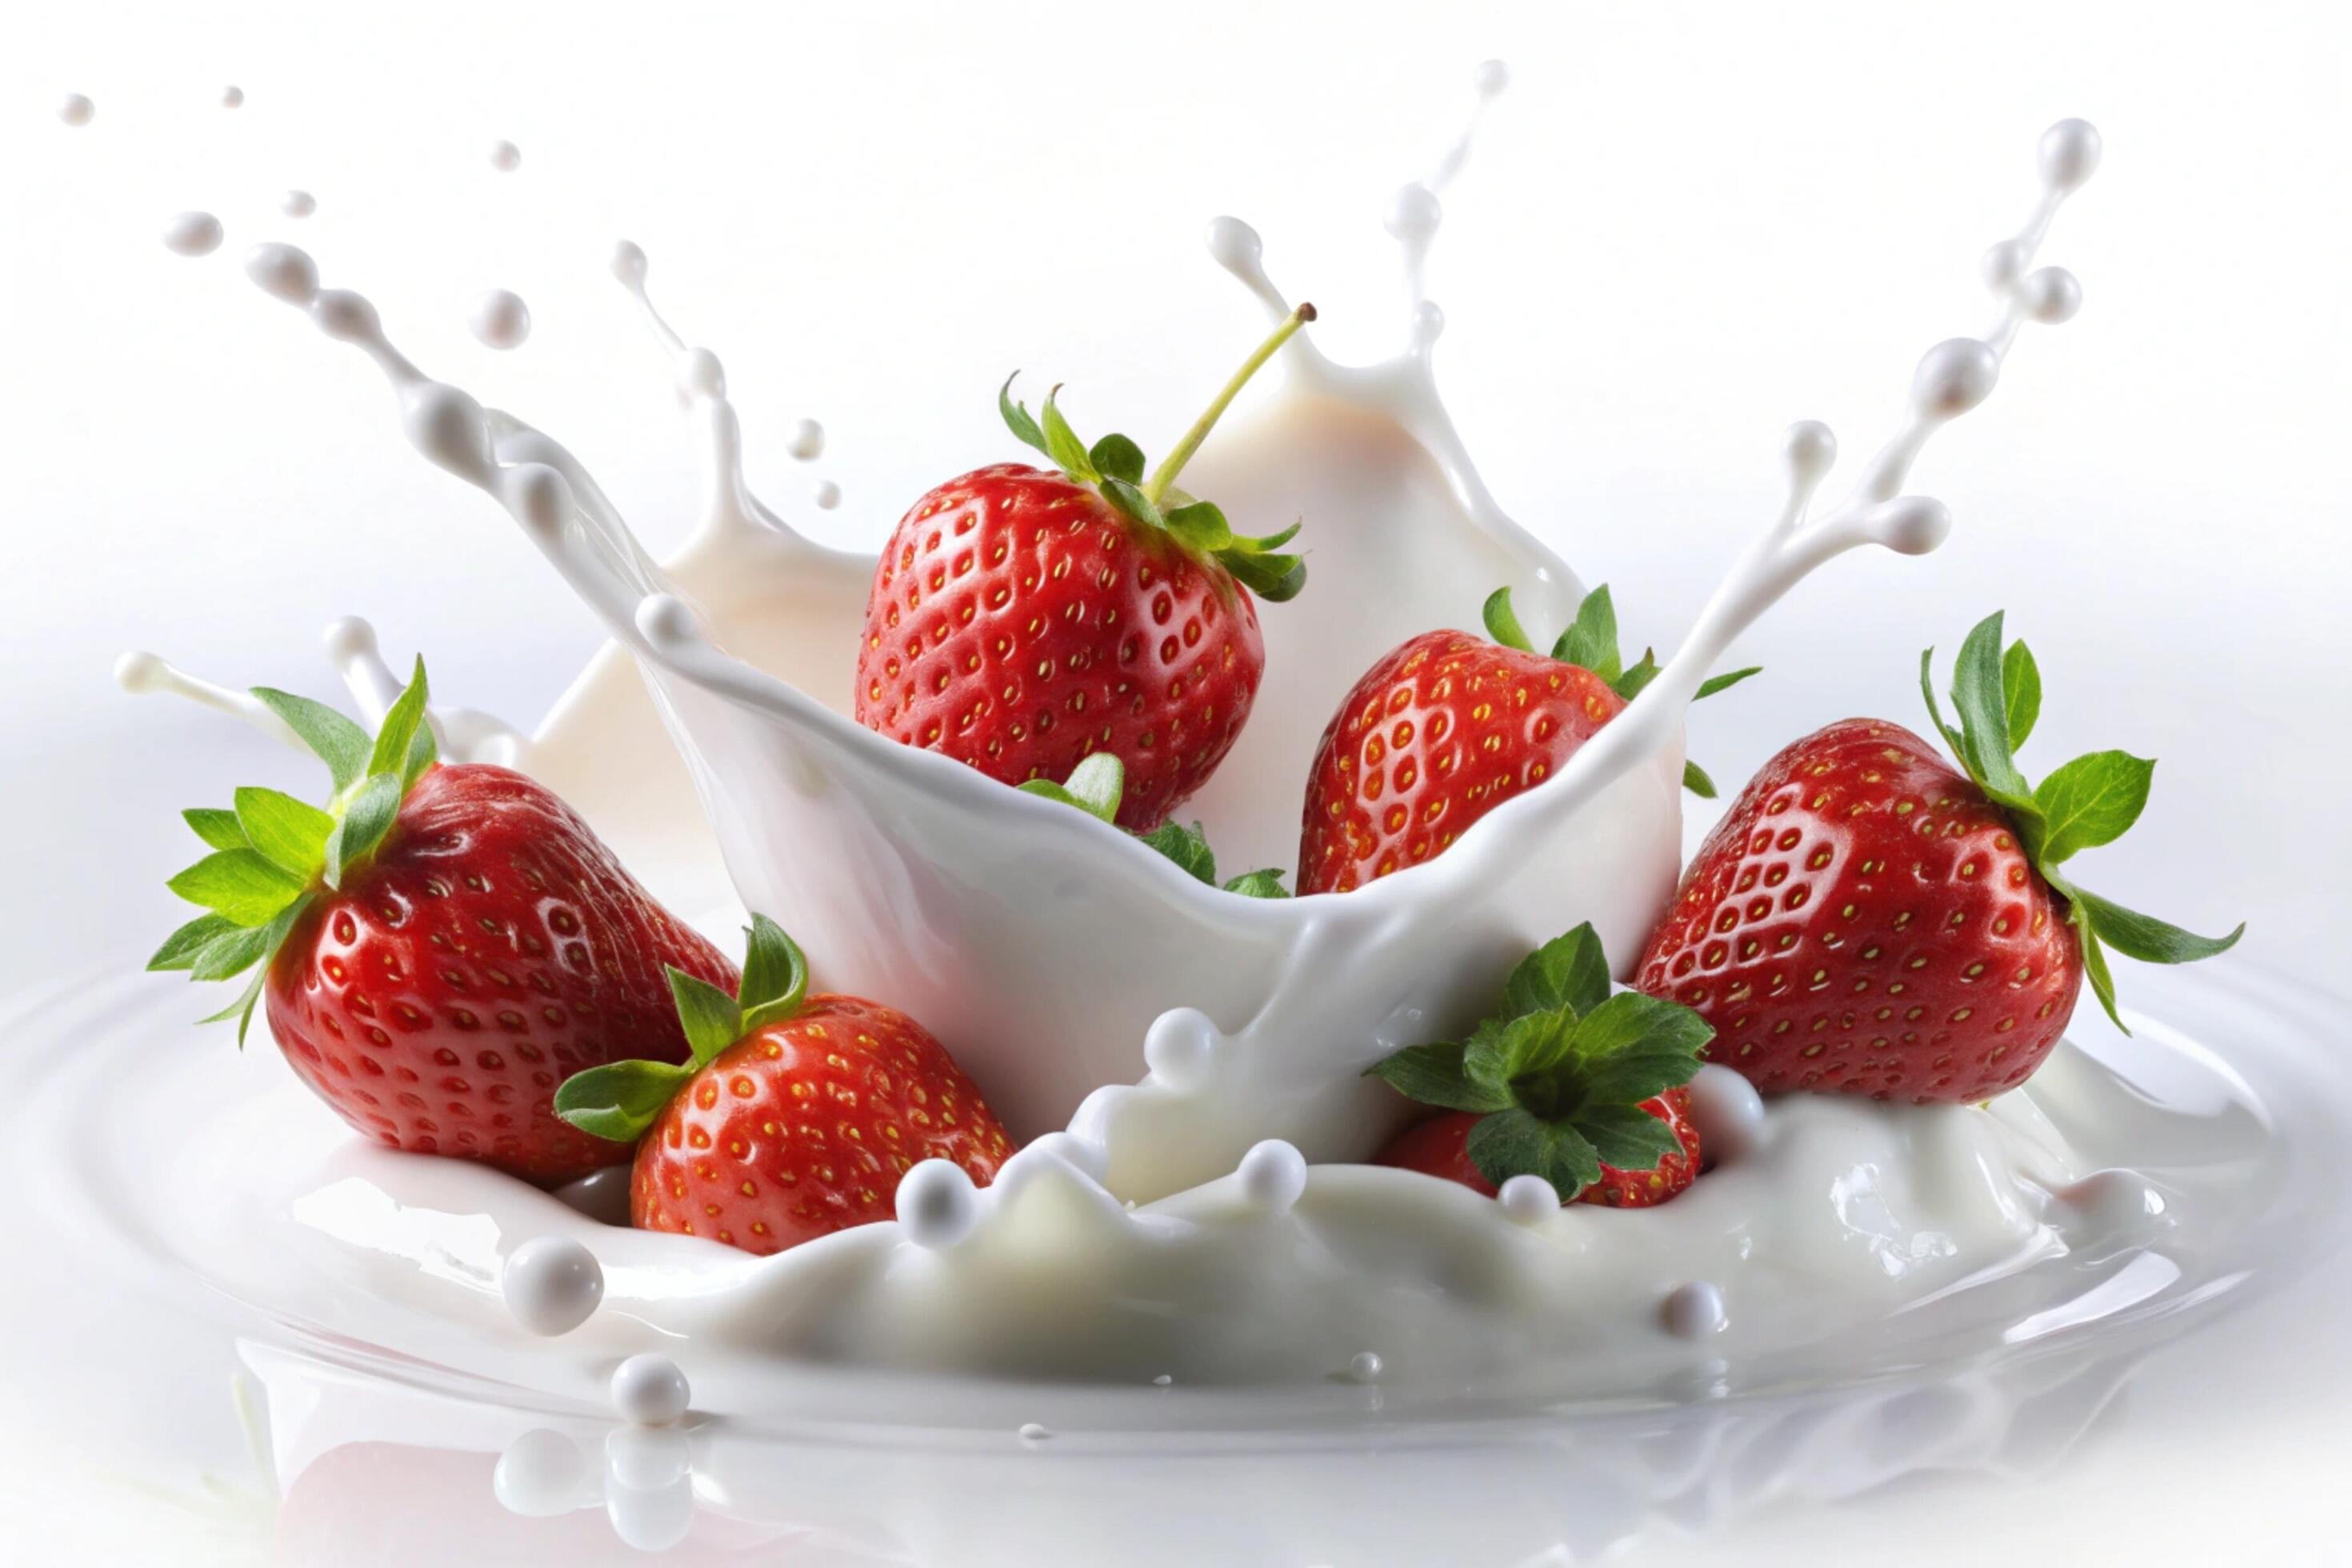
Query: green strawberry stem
(2083, 804)
(1173, 464)
(1558, 1074)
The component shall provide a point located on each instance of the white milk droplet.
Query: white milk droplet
(1953, 377)
(2051, 295)
(75, 109)
(1490, 78)
(284, 271)
(649, 1391)
(826, 494)
(1528, 1200)
(298, 204)
(1032, 1432)
(937, 1204)
(1414, 212)
(192, 234)
(542, 1474)
(807, 441)
(2069, 153)
(505, 157)
(1727, 1113)
(646, 1459)
(1180, 1047)
(232, 97)
(628, 262)
(1365, 1366)
(551, 1284)
(500, 320)
(1272, 1175)
(1164, 1380)
(1692, 1312)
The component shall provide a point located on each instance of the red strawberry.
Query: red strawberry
(1449, 725)
(440, 948)
(1869, 919)
(1440, 1147)
(1023, 619)
(795, 1116)
(1566, 1081)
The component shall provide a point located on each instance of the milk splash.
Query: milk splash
(1058, 945)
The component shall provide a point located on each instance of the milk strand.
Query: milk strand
(1260, 1074)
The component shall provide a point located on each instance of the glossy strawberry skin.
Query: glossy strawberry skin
(1440, 1147)
(1438, 733)
(1019, 623)
(491, 948)
(804, 1127)
(1864, 921)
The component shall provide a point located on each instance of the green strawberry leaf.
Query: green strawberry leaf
(1132, 501)
(180, 949)
(1201, 527)
(1016, 417)
(2021, 692)
(2094, 966)
(1934, 710)
(1276, 579)
(1695, 780)
(1185, 846)
(1625, 1136)
(1503, 623)
(1516, 1142)
(341, 744)
(1632, 1046)
(1117, 457)
(242, 1008)
(710, 1017)
(1432, 1075)
(1095, 786)
(2091, 800)
(395, 751)
(239, 885)
(217, 828)
(1062, 444)
(2146, 938)
(368, 815)
(1265, 882)
(1590, 641)
(291, 835)
(1983, 707)
(775, 975)
(620, 1099)
(1643, 671)
(1715, 683)
(1569, 972)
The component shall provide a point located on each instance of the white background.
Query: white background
(1684, 225)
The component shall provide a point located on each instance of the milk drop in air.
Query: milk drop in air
(500, 320)
(76, 109)
(192, 234)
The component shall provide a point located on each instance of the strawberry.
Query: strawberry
(1868, 919)
(1448, 725)
(1566, 1081)
(1023, 619)
(438, 948)
(795, 1115)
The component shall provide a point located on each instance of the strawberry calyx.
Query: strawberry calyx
(1590, 642)
(1095, 786)
(1558, 1075)
(271, 855)
(1114, 466)
(620, 1099)
(2080, 804)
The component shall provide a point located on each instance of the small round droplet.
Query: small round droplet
(298, 204)
(1035, 1432)
(1180, 1048)
(76, 109)
(500, 320)
(937, 1204)
(505, 157)
(192, 234)
(232, 97)
(283, 272)
(1953, 377)
(1165, 1380)
(649, 1391)
(1272, 1175)
(1692, 1312)
(1808, 451)
(1414, 212)
(551, 1284)
(1527, 1199)
(1490, 78)
(1233, 245)
(1365, 1366)
(807, 441)
(668, 621)
(628, 262)
(2070, 153)
(826, 494)
(1727, 1113)
(2051, 295)
(1908, 525)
